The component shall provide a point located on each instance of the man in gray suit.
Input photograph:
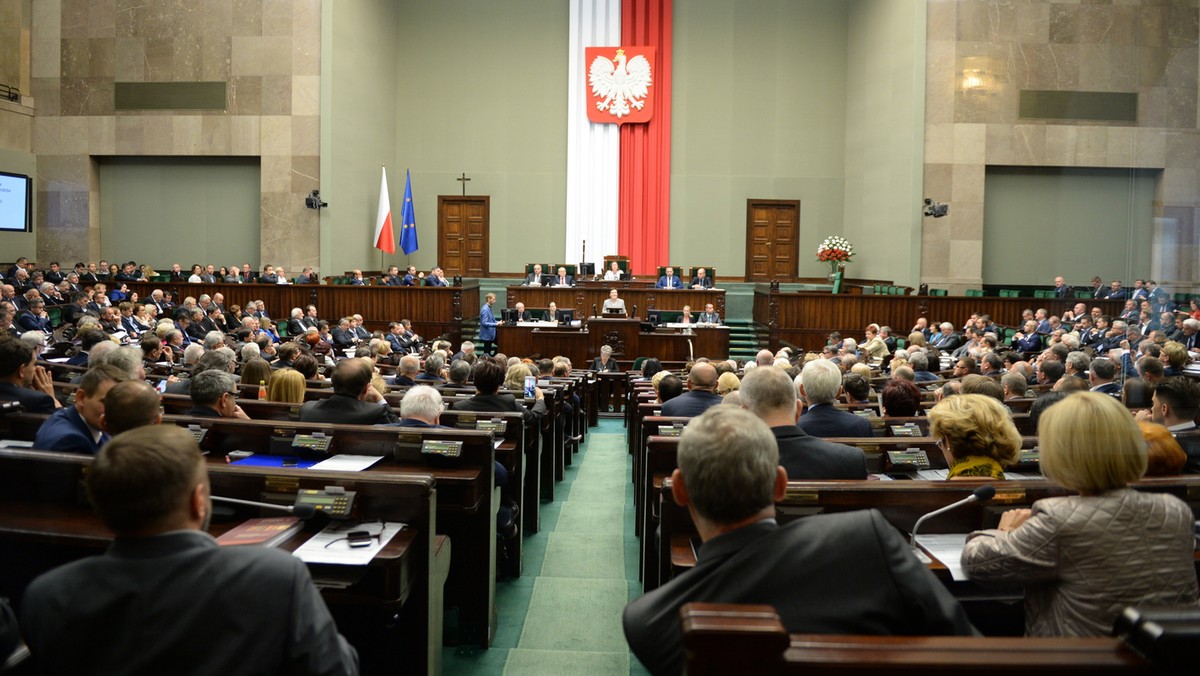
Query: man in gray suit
(848, 573)
(210, 609)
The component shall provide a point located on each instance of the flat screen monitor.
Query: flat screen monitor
(654, 316)
(566, 316)
(16, 202)
(509, 315)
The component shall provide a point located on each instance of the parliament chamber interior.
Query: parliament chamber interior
(599, 336)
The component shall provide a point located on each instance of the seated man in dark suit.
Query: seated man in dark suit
(562, 278)
(701, 280)
(821, 383)
(436, 277)
(214, 395)
(848, 573)
(78, 429)
(1176, 402)
(344, 335)
(701, 394)
(34, 317)
(709, 316)
(669, 280)
(769, 394)
(22, 380)
(1027, 340)
(391, 277)
(488, 376)
(523, 315)
(411, 277)
(213, 609)
(535, 278)
(354, 401)
(1101, 374)
(407, 371)
(1115, 292)
(295, 324)
(1061, 290)
(946, 339)
(356, 278)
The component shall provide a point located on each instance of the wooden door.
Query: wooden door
(463, 234)
(772, 240)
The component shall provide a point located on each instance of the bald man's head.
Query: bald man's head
(703, 376)
(130, 404)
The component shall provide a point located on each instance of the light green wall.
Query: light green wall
(1038, 223)
(442, 88)
(759, 113)
(483, 90)
(885, 132)
(358, 131)
(16, 244)
(156, 210)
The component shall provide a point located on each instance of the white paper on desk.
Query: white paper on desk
(59, 360)
(947, 548)
(13, 443)
(339, 550)
(343, 462)
(933, 474)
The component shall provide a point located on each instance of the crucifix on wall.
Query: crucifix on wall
(463, 180)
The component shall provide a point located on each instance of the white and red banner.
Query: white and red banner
(620, 84)
(385, 239)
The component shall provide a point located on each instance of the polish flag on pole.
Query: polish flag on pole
(384, 239)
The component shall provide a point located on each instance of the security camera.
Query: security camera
(935, 209)
(313, 201)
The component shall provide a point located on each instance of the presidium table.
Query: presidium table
(581, 341)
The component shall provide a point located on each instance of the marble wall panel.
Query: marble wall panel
(1143, 46)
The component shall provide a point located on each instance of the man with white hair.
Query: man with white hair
(764, 358)
(769, 394)
(946, 340)
(820, 384)
(1191, 327)
(407, 372)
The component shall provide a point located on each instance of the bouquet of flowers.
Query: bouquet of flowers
(835, 250)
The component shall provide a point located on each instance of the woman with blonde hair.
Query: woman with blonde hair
(514, 378)
(1083, 558)
(976, 434)
(728, 382)
(287, 385)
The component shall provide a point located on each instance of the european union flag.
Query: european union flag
(408, 219)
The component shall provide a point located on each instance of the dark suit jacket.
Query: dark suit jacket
(66, 431)
(706, 282)
(32, 400)
(947, 343)
(673, 283)
(499, 403)
(434, 281)
(1030, 343)
(532, 278)
(691, 403)
(1190, 442)
(346, 410)
(598, 366)
(232, 609)
(848, 573)
(807, 457)
(343, 338)
(823, 420)
(1112, 389)
(402, 381)
(562, 281)
(295, 327)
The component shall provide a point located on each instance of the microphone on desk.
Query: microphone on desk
(304, 512)
(984, 492)
(595, 312)
(634, 312)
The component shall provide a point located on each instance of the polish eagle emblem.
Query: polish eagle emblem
(620, 87)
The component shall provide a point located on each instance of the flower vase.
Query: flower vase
(833, 269)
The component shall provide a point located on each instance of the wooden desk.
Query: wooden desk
(805, 319)
(582, 298)
(434, 311)
(466, 501)
(728, 638)
(45, 517)
(582, 344)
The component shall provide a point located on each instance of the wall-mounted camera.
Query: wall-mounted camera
(313, 201)
(935, 209)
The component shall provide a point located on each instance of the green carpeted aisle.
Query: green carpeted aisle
(563, 615)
